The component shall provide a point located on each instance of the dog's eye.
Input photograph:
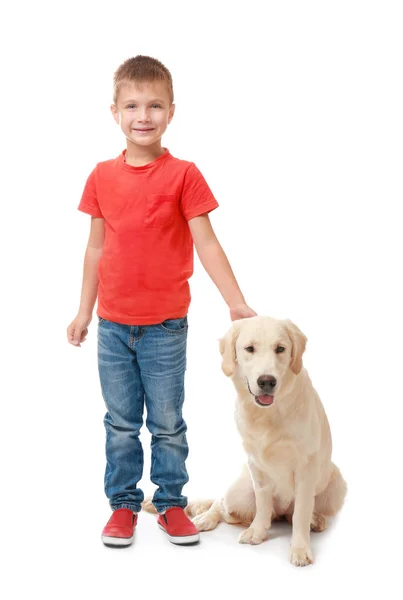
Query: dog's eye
(250, 349)
(279, 349)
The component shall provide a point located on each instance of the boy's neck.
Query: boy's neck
(137, 156)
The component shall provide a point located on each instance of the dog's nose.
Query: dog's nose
(266, 382)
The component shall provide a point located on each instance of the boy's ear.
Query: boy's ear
(171, 113)
(115, 113)
(228, 349)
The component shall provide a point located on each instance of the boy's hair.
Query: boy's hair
(141, 69)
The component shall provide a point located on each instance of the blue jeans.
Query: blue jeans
(137, 365)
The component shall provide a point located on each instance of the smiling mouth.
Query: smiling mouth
(264, 399)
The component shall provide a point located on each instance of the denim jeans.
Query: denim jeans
(137, 365)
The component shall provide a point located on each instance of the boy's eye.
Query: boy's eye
(250, 349)
(152, 106)
(279, 349)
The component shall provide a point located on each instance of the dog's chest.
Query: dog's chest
(275, 455)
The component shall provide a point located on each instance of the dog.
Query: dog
(286, 435)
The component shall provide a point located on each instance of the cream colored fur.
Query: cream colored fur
(289, 473)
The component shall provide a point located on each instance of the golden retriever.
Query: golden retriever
(286, 436)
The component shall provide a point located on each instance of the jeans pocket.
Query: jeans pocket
(161, 210)
(101, 320)
(175, 326)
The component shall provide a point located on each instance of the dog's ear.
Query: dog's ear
(298, 346)
(227, 349)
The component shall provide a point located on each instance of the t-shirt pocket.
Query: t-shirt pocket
(160, 210)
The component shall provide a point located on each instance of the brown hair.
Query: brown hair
(141, 69)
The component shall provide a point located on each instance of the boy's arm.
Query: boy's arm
(78, 328)
(216, 264)
(89, 290)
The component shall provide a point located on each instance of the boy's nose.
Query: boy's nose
(143, 116)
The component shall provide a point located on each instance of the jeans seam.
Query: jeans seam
(174, 331)
(134, 507)
(161, 509)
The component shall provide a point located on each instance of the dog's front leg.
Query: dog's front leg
(263, 488)
(301, 554)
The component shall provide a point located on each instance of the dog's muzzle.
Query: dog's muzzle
(264, 382)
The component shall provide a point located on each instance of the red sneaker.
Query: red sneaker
(179, 529)
(119, 530)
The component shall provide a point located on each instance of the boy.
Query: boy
(147, 210)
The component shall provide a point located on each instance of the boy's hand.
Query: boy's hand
(241, 311)
(78, 329)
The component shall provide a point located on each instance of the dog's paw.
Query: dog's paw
(252, 535)
(318, 522)
(300, 557)
(205, 522)
(199, 507)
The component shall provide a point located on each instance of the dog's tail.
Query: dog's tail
(192, 510)
(148, 506)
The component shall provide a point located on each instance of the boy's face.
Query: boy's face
(143, 111)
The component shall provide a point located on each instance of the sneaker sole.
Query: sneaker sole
(181, 540)
(115, 541)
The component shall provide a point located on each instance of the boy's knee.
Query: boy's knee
(169, 424)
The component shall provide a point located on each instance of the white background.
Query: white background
(293, 113)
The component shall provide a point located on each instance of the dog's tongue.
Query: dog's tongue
(266, 399)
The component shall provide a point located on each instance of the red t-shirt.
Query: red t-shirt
(147, 257)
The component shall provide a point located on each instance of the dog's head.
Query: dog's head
(261, 350)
